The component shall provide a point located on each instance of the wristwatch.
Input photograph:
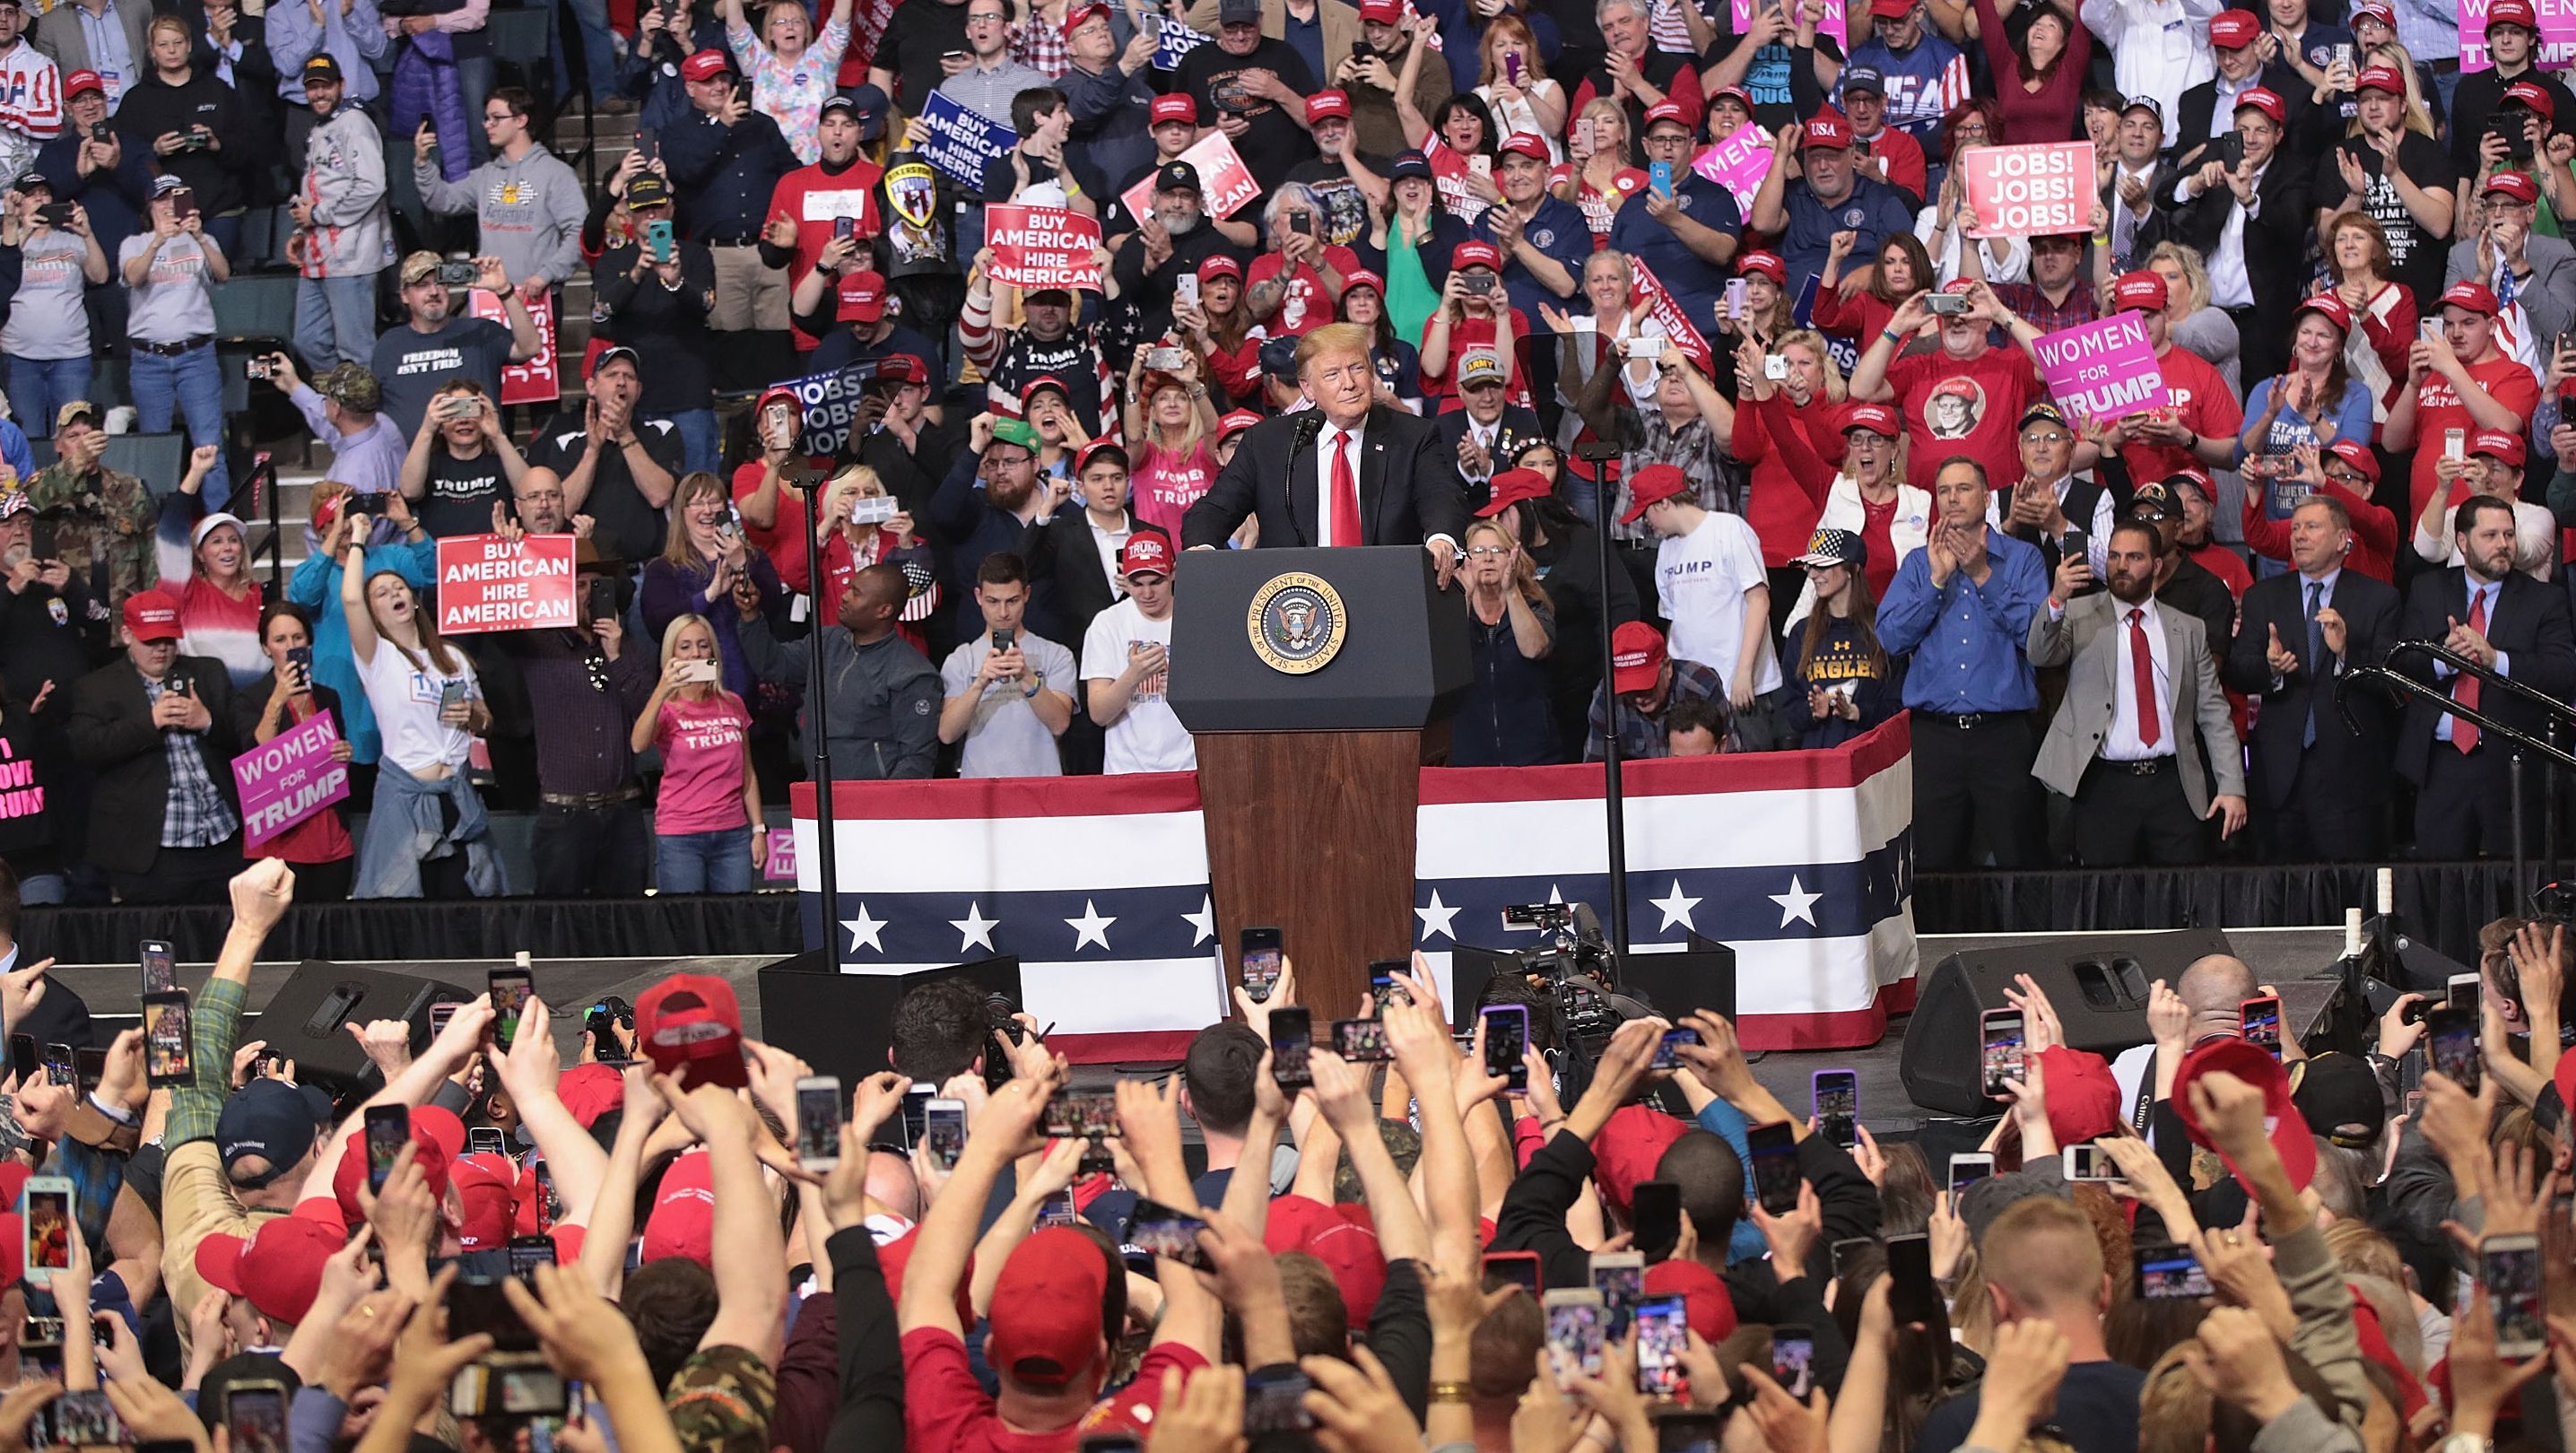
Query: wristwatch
(2466, 1443)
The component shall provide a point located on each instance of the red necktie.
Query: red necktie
(2464, 687)
(1346, 494)
(2142, 671)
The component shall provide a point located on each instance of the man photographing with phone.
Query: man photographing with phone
(1009, 693)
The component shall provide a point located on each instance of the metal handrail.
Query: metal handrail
(2441, 700)
(2540, 700)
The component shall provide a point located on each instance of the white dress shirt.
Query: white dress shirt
(2229, 284)
(1325, 444)
(2160, 47)
(2123, 744)
(2493, 593)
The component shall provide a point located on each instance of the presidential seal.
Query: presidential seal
(1297, 623)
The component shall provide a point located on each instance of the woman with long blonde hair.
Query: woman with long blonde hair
(708, 832)
(707, 567)
(1602, 177)
(1504, 721)
(1171, 418)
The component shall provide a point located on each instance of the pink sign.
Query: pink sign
(1225, 183)
(2104, 370)
(1043, 247)
(781, 867)
(1738, 163)
(490, 583)
(288, 778)
(536, 381)
(1830, 22)
(2557, 50)
(2030, 191)
(21, 795)
(1667, 312)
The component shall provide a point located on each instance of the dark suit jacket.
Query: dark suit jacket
(1061, 552)
(2275, 240)
(1451, 425)
(1408, 489)
(2530, 624)
(2279, 602)
(112, 734)
(2196, 122)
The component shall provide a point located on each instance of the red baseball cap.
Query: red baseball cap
(278, 1267)
(1217, 264)
(1738, 94)
(2374, 10)
(487, 1187)
(1235, 423)
(862, 297)
(2234, 29)
(2498, 444)
(2139, 290)
(2256, 1067)
(1178, 106)
(705, 64)
(1475, 252)
(1672, 111)
(1342, 1238)
(2513, 12)
(1511, 487)
(2083, 1098)
(1636, 657)
(1076, 15)
(683, 1219)
(1769, 264)
(79, 81)
(1045, 1317)
(1706, 1304)
(2474, 297)
(1360, 277)
(1381, 12)
(903, 368)
(2267, 102)
(2515, 185)
(2329, 307)
(1628, 1148)
(2380, 78)
(1879, 419)
(1526, 143)
(690, 1025)
(1145, 553)
(2358, 455)
(151, 615)
(437, 1139)
(590, 1091)
(1327, 103)
(2532, 95)
(1653, 482)
(1830, 129)
(1890, 9)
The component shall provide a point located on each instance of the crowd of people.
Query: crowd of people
(1807, 414)
(687, 1240)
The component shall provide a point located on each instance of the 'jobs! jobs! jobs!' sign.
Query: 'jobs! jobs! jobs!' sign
(2030, 191)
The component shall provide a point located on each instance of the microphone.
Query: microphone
(1309, 424)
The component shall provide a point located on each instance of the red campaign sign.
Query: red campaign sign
(1225, 183)
(538, 380)
(1043, 247)
(1667, 312)
(2030, 191)
(489, 583)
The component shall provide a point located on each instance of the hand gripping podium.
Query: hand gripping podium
(1308, 678)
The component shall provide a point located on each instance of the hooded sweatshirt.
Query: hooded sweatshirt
(344, 181)
(531, 210)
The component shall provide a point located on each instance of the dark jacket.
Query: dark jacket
(2275, 241)
(2531, 625)
(2354, 752)
(1408, 492)
(116, 199)
(1062, 553)
(725, 175)
(153, 106)
(969, 527)
(1569, 569)
(112, 734)
(666, 325)
(1519, 425)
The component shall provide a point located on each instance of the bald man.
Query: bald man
(884, 694)
(2202, 1004)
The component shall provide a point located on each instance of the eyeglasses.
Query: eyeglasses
(1487, 552)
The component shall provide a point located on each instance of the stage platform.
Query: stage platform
(571, 984)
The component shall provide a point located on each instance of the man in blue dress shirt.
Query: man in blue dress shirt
(1961, 608)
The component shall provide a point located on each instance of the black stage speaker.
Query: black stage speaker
(1700, 977)
(842, 1024)
(2100, 993)
(304, 1020)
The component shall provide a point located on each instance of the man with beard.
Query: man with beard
(2512, 625)
(616, 465)
(48, 637)
(883, 711)
(990, 497)
(538, 503)
(417, 358)
(102, 519)
(2180, 583)
(2142, 700)
(1166, 247)
(2321, 757)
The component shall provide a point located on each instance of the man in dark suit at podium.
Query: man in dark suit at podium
(1350, 471)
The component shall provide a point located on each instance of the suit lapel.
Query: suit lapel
(1372, 474)
(2176, 662)
(1303, 487)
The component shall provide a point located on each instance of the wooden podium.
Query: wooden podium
(1308, 678)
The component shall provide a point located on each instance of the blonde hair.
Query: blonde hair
(849, 484)
(671, 645)
(1814, 342)
(2194, 272)
(1524, 570)
(1333, 338)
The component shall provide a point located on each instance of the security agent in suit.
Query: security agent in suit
(1483, 434)
(157, 728)
(2519, 628)
(1350, 471)
(2142, 700)
(2258, 270)
(2322, 779)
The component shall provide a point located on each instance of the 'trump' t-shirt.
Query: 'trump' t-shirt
(702, 765)
(459, 496)
(1148, 736)
(1970, 407)
(1700, 583)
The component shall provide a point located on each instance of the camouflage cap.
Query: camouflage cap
(352, 387)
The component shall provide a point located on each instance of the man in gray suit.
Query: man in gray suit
(85, 36)
(2543, 268)
(2142, 701)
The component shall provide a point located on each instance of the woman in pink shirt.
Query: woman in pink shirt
(707, 829)
(1170, 417)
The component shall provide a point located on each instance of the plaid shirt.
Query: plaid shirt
(1695, 449)
(1641, 735)
(2026, 299)
(214, 1019)
(1041, 47)
(197, 815)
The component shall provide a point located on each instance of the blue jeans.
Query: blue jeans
(335, 320)
(703, 862)
(43, 889)
(227, 232)
(193, 385)
(701, 441)
(38, 386)
(598, 51)
(1583, 495)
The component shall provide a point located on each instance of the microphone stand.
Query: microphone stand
(817, 699)
(1612, 798)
